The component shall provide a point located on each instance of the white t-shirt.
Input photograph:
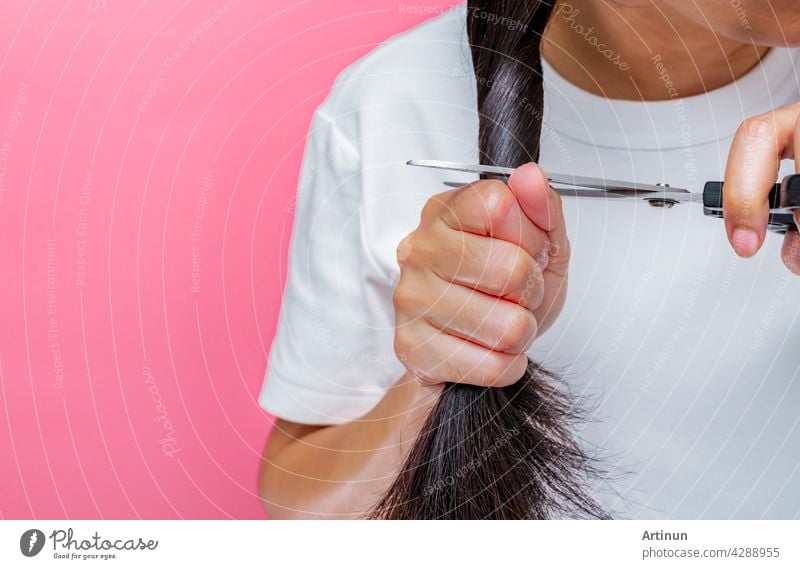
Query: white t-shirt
(689, 354)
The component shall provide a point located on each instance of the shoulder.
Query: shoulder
(407, 67)
(411, 97)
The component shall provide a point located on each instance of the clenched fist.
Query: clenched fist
(482, 276)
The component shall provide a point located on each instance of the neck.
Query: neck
(641, 53)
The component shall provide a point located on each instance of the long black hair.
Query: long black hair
(500, 453)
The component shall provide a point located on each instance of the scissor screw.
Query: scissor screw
(662, 202)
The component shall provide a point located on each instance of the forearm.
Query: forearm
(340, 471)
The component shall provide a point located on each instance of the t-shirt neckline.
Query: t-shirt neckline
(671, 123)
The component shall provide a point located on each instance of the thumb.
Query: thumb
(542, 205)
(533, 193)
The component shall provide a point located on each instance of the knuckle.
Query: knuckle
(496, 200)
(492, 189)
(513, 270)
(400, 296)
(493, 367)
(532, 294)
(463, 196)
(447, 368)
(487, 200)
(452, 211)
(405, 250)
(518, 331)
(424, 374)
(520, 274)
(433, 207)
(758, 127)
(466, 198)
(470, 255)
(406, 299)
(404, 346)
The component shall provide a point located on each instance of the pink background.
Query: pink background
(140, 141)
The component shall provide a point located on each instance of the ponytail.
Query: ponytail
(499, 453)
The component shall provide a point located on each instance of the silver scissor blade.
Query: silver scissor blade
(458, 167)
(571, 185)
(571, 192)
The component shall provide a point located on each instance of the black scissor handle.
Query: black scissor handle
(784, 196)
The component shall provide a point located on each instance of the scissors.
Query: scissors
(784, 197)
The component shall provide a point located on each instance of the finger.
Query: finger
(753, 163)
(543, 207)
(489, 208)
(790, 252)
(554, 278)
(434, 356)
(541, 204)
(486, 320)
(796, 212)
(489, 265)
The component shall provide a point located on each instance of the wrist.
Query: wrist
(415, 402)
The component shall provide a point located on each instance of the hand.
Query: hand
(753, 163)
(482, 276)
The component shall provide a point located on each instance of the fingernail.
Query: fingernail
(745, 242)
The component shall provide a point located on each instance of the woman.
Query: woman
(689, 348)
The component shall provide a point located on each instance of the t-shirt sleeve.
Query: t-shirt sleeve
(332, 358)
